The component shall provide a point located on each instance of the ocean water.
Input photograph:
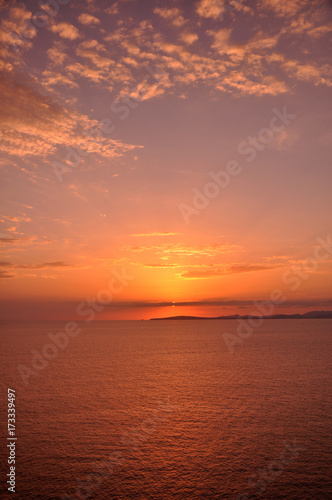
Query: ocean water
(163, 410)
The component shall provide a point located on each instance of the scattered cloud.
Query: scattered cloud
(221, 39)
(57, 53)
(210, 8)
(34, 124)
(309, 72)
(253, 67)
(54, 78)
(114, 9)
(87, 19)
(284, 8)
(171, 14)
(65, 30)
(16, 36)
(19, 218)
(189, 38)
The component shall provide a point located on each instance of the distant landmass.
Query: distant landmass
(308, 315)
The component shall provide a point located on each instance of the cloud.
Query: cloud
(4, 274)
(18, 242)
(16, 35)
(75, 191)
(52, 78)
(238, 82)
(92, 44)
(170, 250)
(9, 241)
(45, 265)
(87, 19)
(27, 267)
(237, 68)
(256, 66)
(210, 8)
(210, 302)
(34, 124)
(114, 9)
(15, 219)
(215, 272)
(95, 57)
(251, 65)
(229, 64)
(284, 8)
(317, 31)
(171, 14)
(221, 39)
(145, 90)
(189, 38)
(285, 140)
(160, 266)
(309, 72)
(154, 234)
(65, 30)
(95, 64)
(57, 53)
(259, 43)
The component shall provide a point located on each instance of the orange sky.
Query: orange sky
(182, 146)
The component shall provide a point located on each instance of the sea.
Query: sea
(153, 410)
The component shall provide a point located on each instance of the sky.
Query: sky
(163, 158)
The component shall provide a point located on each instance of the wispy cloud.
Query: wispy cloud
(33, 124)
(154, 234)
(4, 275)
(10, 241)
(215, 272)
(169, 250)
(160, 266)
(45, 265)
(19, 218)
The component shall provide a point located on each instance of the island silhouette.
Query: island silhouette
(308, 315)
